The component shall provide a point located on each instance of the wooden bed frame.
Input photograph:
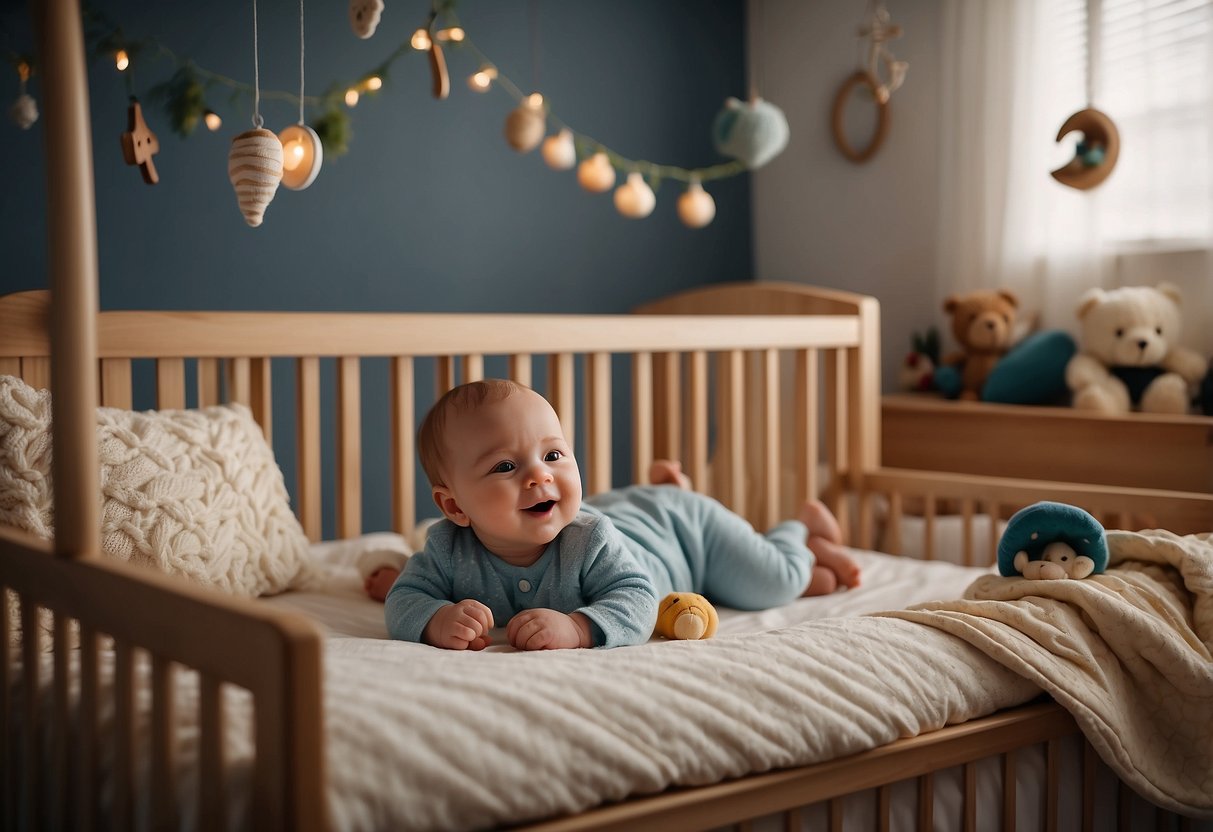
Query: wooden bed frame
(691, 374)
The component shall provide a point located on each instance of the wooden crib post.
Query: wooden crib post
(72, 261)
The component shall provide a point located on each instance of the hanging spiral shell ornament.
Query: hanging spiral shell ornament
(24, 111)
(254, 163)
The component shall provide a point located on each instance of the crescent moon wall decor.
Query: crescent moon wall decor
(1096, 154)
(838, 123)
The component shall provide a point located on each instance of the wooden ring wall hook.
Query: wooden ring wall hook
(1098, 131)
(860, 78)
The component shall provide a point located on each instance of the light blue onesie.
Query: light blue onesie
(625, 550)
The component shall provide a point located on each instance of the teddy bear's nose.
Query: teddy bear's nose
(1142, 344)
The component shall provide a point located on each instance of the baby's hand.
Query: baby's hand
(548, 630)
(461, 626)
(380, 581)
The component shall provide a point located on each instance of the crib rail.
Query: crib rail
(889, 495)
(684, 381)
(161, 629)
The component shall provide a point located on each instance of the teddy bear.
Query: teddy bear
(983, 323)
(1129, 352)
(686, 616)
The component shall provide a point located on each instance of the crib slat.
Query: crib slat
(892, 542)
(403, 407)
(8, 818)
(970, 797)
(308, 439)
(598, 421)
(928, 517)
(770, 457)
(966, 522)
(10, 367)
(208, 382)
(1008, 790)
(807, 437)
(1089, 761)
(349, 448)
(520, 369)
(732, 366)
(696, 454)
(212, 808)
(667, 386)
(642, 415)
(473, 368)
(31, 734)
(239, 381)
(88, 787)
(116, 382)
(36, 371)
(1053, 770)
(926, 802)
(561, 391)
(884, 804)
(261, 394)
(867, 521)
(121, 813)
(791, 820)
(163, 760)
(444, 374)
(836, 814)
(992, 510)
(170, 383)
(61, 759)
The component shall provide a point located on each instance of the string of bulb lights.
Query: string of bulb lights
(531, 124)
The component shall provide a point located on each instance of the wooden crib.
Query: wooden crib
(730, 394)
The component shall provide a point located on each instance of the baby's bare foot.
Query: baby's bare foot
(822, 582)
(833, 557)
(669, 472)
(821, 521)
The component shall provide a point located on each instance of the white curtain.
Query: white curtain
(1012, 72)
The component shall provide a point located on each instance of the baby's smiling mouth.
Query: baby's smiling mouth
(541, 508)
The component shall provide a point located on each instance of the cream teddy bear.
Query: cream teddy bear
(1130, 354)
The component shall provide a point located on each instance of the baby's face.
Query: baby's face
(511, 475)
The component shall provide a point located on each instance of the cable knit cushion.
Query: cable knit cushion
(194, 493)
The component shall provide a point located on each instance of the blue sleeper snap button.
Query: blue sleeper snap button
(524, 585)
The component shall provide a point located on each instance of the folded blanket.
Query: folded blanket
(1129, 653)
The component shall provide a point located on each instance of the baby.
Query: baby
(518, 546)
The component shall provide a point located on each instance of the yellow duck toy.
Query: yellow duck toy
(686, 616)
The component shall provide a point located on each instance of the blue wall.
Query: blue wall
(430, 209)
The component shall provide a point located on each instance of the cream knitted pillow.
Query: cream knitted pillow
(195, 493)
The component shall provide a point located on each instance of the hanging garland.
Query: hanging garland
(750, 132)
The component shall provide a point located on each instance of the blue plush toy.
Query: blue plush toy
(1052, 540)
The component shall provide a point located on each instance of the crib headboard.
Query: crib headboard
(647, 386)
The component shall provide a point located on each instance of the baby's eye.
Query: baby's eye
(552, 456)
(503, 467)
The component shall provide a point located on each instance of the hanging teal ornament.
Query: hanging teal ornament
(753, 132)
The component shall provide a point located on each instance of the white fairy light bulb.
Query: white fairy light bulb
(596, 174)
(455, 34)
(421, 39)
(351, 97)
(121, 60)
(559, 151)
(634, 198)
(374, 83)
(696, 208)
(213, 121)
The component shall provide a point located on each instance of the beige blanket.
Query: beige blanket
(1128, 653)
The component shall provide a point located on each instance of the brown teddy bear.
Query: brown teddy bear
(983, 323)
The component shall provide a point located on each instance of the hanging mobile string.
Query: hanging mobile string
(301, 61)
(258, 121)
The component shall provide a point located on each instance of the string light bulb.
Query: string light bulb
(302, 155)
(526, 124)
(213, 122)
(596, 174)
(421, 39)
(634, 198)
(351, 97)
(696, 208)
(374, 83)
(122, 60)
(482, 79)
(559, 151)
(455, 34)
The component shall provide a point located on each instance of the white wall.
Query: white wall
(820, 218)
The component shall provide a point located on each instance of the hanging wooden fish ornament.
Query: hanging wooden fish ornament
(254, 165)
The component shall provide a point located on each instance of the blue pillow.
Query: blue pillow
(1033, 372)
